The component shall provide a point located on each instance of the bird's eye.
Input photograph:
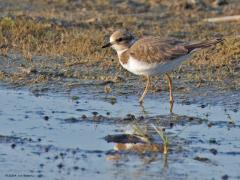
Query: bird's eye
(119, 39)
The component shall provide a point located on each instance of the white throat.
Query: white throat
(119, 52)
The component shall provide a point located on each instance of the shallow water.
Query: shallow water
(47, 137)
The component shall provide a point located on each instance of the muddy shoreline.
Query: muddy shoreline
(68, 139)
(68, 110)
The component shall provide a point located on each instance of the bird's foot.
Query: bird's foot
(140, 101)
(171, 105)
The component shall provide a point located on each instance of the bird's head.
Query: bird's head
(120, 40)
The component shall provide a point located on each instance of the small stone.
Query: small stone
(187, 103)
(130, 117)
(210, 125)
(60, 166)
(83, 169)
(40, 176)
(213, 151)
(62, 154)
(225, 177)
(84, 116)
(201, 159)
(13, 146)
(99, 155)
(46, 118)
(203, 106)
(95, 113)
(107, 89)
(75, 167)
(47, 149)
(191, 118)
(212, 141)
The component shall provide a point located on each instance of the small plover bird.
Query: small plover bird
(149, 56)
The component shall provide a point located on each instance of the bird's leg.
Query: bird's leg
(145, 90)
(170, 88)
(171, 107)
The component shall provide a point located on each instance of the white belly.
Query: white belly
(142, 68)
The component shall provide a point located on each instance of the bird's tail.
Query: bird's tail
(203, 44)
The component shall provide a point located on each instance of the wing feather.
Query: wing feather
(155, 50)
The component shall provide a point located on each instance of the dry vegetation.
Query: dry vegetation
(68, 35)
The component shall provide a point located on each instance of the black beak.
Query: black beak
(107, 45)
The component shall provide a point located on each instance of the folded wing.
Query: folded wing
(155, 50)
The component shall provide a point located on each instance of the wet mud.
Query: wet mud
(69, 111)
(56, 135)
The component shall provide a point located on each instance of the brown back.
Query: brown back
(154, 50)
